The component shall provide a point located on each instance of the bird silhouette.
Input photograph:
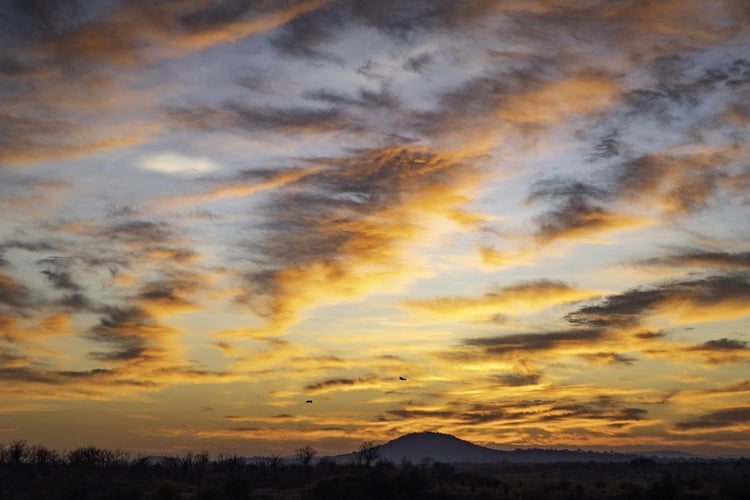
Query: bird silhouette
(402, 378)
(308, 401)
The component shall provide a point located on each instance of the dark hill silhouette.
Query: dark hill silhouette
(445, 448)
(439, 447)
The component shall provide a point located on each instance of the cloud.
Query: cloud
(576, 217)
(138, 232)
(13, 293)
(597, 410)
(509, 346)
(518, 379)
(169, 295)
(341, 384)
(579, 211)
(130, 332)
(178, 164)
(105, 377)
(681, 177)
(723, 344)
(719, 297)
(722, 351)
(345, 230)
(61, 280)
(240, 117)
(727, 418)
(609, 358)
(523, 416)
(523, 297)
(62, 91)
(247, 183)
(712, 259)
(307, 35)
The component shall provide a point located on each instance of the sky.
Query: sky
(535, 212)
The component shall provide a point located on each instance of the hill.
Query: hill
(439, 447)
(446, 448)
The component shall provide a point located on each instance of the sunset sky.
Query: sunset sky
(535, 211)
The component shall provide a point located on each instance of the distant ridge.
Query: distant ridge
(446, 448)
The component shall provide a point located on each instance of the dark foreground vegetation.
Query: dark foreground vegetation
(35, 472)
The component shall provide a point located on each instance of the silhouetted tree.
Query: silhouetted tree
(368, 453)
(273, 461)
(91, 456)
(305, 455)
(42, 456)
(17, 451)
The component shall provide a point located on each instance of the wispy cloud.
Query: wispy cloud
(701, 299)
(343, 231)
(510, 300)
(728, 418)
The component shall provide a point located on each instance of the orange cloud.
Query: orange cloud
(344, 246)
(512, 300)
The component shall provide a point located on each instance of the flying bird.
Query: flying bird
(402, 378)
(308, 401)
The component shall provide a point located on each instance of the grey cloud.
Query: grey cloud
(627, 309)
(13, 293)
(607, 147)
(612, 358)
(106, 377)
(740, 386)
(283, 416)
(727, 417)
(723, 344)
(565, 190)
(618, 310)
(417, 414)
(24, 374)
(138, 231)
(338, 382)
(29, 246)
(191, 372)
(61, 280)
(482, 95)
(35, 19)
(574, 214)
(308, 35)
(170, 290)
(418, 63)
(124, 348)
(648, 335)
(677, 89)
(617, 413)
(236, 116)
(217, 14)
(518, 379)
(77, 302)
(532, 342)
(679, 183)
(8, 355)
(478, 413)
(123, 330)
(365, 99)
(693, 190)
(594, 410)
(703, 258)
